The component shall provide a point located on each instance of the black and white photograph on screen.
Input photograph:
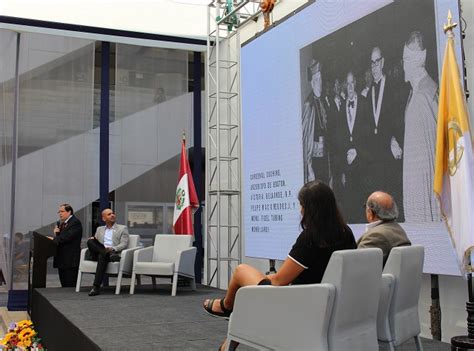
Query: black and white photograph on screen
(369, 95)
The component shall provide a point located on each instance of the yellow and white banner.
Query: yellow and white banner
(453, 182)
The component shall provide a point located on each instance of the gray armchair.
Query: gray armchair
(397, 319)
(118, 269)
(338, 314)
(170, 256)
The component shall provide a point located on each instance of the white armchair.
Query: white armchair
(338, 314)
(170, 256)
(397, 318)
(119, 269)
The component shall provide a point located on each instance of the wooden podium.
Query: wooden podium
(41, 249)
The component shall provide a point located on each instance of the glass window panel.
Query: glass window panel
(56, 95)
(7, 86)
(146, 76)
(152, 109)
(58, 159)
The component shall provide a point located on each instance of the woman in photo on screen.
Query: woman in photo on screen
(323, 232)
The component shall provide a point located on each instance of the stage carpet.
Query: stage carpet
(149, 320)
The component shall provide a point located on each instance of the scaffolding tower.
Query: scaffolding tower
(223, 146)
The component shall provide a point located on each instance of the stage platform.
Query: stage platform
(149, 320)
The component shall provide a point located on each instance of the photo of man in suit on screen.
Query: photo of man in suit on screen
(347, 153)
(420, 202)
(385, 125)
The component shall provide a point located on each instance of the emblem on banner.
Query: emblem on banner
(455, 151)
(180, 197)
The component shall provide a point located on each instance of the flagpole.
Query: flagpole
(466, 342)
(463, 342)
(435, 309)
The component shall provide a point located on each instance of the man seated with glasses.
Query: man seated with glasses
(383, 231)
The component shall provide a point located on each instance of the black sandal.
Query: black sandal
(225, 312)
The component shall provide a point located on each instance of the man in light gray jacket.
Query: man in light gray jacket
(383, 231)
(106, 245)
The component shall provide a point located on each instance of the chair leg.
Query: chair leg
(119, 283)
(79, 279)
(132, 284)
(231, 345)
(153, 281)
(193, 283)
(175, 284)
(419, 347)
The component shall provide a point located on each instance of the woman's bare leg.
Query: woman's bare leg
(244, 275)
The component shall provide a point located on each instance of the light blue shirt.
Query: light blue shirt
(108, 237)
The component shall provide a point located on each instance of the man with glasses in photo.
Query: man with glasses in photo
(385, 130)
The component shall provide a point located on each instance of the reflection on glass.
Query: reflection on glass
(147, 76)
(141, 218)
(169, 219)
(55, 117)
(147, 219)
(152, 107)
(159, 217)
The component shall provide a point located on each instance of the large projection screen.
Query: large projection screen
(311, 109)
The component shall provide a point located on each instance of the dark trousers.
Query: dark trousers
(68, 276)
(99, 254)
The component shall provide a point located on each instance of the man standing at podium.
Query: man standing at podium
(67, 236)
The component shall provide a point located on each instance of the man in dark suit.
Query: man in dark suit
(68, 236)
(383, 231)
(386, 126)
(106, 245)
(348, 136)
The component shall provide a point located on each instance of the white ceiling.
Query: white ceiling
(182, 18)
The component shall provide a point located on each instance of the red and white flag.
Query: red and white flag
(186, 197)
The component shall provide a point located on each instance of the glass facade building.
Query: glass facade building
(50, 145)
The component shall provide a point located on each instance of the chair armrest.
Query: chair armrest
(126, 259)
(185, 261)
(143, 255)
(83, 253)
(83, 256)
(386, 294)
(302, 311)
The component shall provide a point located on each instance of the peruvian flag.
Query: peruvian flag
(186, 197)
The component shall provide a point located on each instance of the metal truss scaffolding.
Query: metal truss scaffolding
(223, 146)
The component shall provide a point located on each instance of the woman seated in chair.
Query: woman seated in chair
(323, 232)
